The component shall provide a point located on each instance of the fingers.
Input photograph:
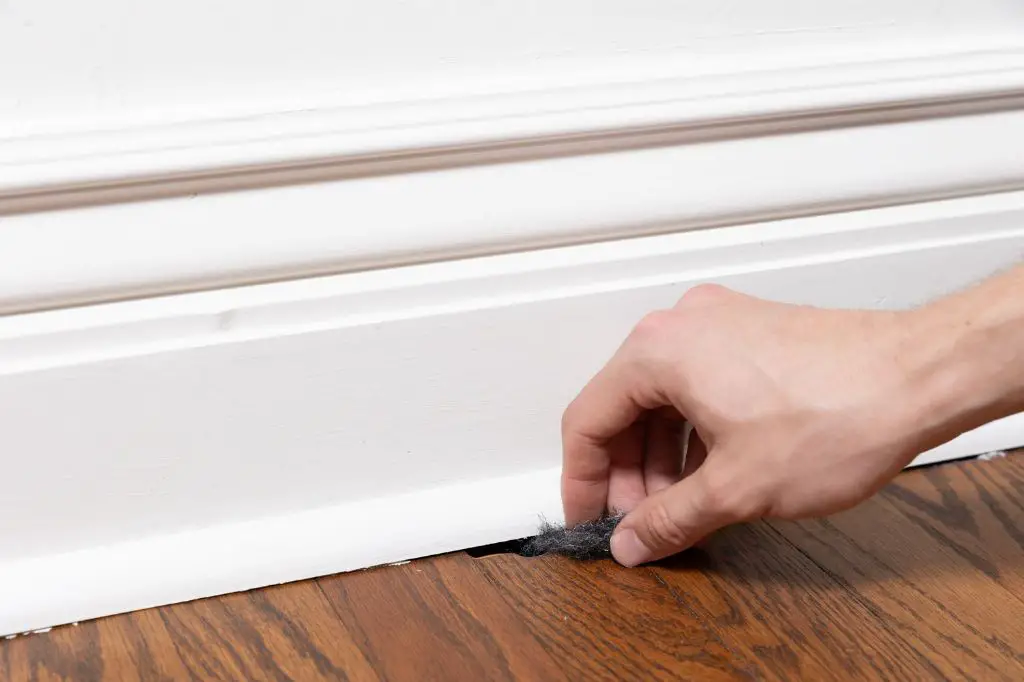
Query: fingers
(676, 518)
(626, 487)
(593, 444)
(663, 458)
(591, 427)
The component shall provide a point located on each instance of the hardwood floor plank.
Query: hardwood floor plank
(505, 617)
(68, 653)
(974, 511)
(939, 554)
(625, 620)
(287, 632)
(773, 604)
(410, 624)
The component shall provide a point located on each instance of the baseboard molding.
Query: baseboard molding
(578, 157)
(174, 567)
(627, 110)
(232, 557)
(51, 258)
(188, 445)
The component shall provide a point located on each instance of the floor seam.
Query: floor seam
(330, 602)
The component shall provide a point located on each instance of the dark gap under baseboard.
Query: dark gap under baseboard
(506, 547)
(583, 541)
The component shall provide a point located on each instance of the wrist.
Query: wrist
(963, 369)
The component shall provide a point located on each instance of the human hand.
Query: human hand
(796, 412)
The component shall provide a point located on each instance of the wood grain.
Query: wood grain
(505, 617)
(924, 581)
(939, 554)
(287, 632)
(779, 608)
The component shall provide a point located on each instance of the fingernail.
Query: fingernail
(627, 548)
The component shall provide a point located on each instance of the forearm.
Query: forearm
(970, 355)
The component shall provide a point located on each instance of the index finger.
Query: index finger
(608, 405)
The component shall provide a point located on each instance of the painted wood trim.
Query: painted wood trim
(152, 209)
(224, 440)
(52, 590)
(130, 249)
(622, 112)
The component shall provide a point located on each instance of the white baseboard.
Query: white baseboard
(131, 248)
(174, 567)
(189, 445)
(146, 207)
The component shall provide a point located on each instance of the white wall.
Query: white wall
(68, 65)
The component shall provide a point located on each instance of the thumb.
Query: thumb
(676, 518)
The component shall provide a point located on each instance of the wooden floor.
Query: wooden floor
(926, 581)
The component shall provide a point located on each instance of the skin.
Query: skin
(795, 411)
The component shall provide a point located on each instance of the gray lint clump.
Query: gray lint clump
(587, 540)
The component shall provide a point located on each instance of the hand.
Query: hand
(795, 412)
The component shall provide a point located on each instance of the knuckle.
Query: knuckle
(653, 326)
(714, 499)
(663, 529)
(649, 343)
(569, 419)
(702, 293)
(732, 498)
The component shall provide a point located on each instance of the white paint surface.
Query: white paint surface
(191, 445)
(108, 64)
(189, 145)
(186, 445)
(173, 567)
(56, 258)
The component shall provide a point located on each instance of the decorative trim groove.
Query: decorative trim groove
(223, 440)
(58, 258)
(202, 203)
(617, 114)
